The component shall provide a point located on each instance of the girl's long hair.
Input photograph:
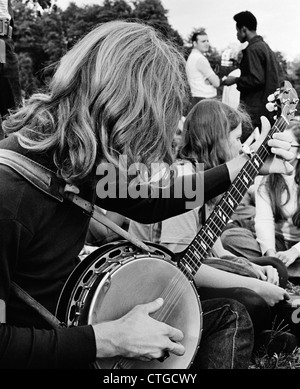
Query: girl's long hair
(119, 91)
(206, 132)
(277, 186)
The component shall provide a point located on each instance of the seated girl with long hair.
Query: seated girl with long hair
(277, 220)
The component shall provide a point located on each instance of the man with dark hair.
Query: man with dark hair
(260, 71)
(247, 19)
(203, 81)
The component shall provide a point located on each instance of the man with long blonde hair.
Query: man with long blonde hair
(115, 100)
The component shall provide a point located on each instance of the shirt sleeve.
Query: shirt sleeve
(31, 347)
(254, 70)
(264, 219)
(204, 67)
(184, 193)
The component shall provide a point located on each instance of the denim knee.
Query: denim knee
(227, 338)
(256, 306)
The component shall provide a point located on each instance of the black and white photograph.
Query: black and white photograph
(149, 188)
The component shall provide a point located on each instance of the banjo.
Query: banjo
(119, 275)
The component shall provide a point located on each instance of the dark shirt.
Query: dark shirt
(40, 239)
(260, 77)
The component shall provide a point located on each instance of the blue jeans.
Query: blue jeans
(227, 337)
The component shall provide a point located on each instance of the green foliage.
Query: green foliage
(39, 41)
(79, 21)
(153, 13)
(44, 3)
(43, 33)
(29, 82)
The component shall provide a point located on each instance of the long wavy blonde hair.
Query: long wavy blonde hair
(118, 91)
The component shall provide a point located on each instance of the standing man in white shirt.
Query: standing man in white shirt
(203, 81)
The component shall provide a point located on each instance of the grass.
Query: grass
(279, 361)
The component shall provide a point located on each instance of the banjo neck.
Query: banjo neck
(212, 229)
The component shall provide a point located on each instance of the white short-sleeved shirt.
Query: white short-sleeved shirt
(198, 71)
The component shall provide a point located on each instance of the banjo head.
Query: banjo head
(116, 278)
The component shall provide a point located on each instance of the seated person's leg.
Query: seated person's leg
(227, 337)
(257, 307)
(274, 328)
(240, 242)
